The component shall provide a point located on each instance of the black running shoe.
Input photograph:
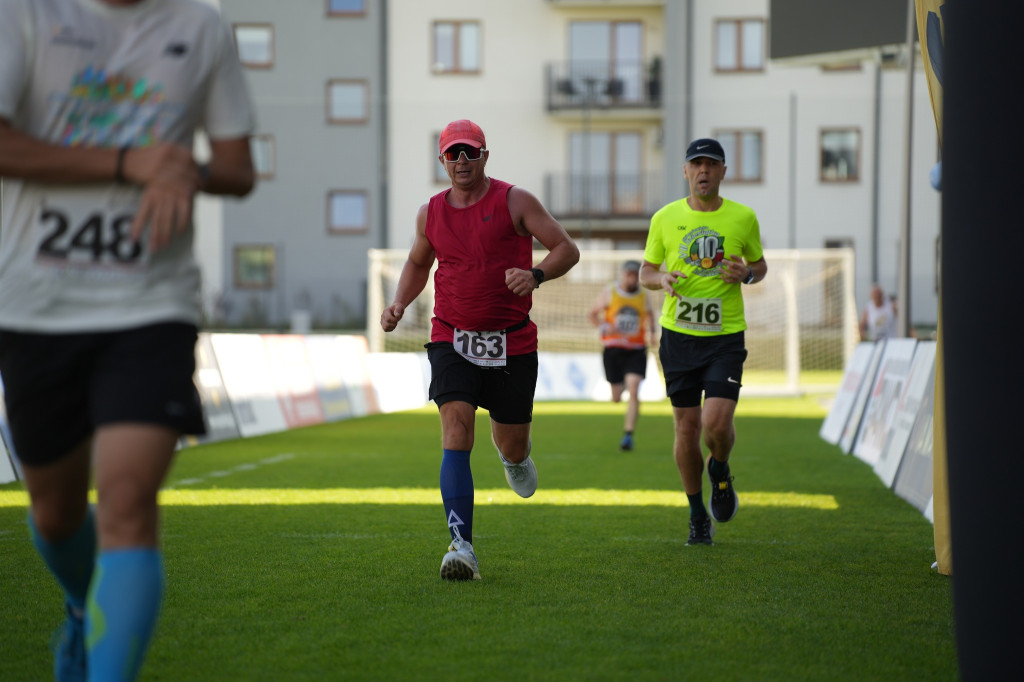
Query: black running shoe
(724, 502)
(701, 531)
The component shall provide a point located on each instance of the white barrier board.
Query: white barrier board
(914, 479)
(398, 380)
(8, 470)
(881, 407)
(249, 382)
(328, 360)
(906, 412)
(353, 351)
(570, 376)
(852, 426)
(217, 409)
(842, 406)
(293, 379)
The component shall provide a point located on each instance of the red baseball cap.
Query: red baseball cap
(462, 131)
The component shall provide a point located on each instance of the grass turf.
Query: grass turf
(314, 555)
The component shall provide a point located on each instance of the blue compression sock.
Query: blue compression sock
(457, 493)
(123, 607)
(71, 560)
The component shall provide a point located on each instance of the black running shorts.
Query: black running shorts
(618, 362)
(59, 387)
(695, 365)
(505, 392)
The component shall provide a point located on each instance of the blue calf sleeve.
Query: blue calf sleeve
(123, 607)
(71, 560)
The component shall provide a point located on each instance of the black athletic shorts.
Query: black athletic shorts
(59, 387)
(712, 365)
(618, 362)
(505, 392)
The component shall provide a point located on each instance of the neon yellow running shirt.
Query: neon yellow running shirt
(695, 243)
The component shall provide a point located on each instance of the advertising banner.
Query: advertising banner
(846, 396)
(881, 406)
(293, 379)
(249, 383)
(907, 409)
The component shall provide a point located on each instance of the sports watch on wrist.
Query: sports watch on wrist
(750, 276)
(538, 275)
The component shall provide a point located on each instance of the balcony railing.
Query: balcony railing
(619, 195)
(582, 84)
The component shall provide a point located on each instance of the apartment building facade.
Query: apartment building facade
(294, 252)
(588, 104)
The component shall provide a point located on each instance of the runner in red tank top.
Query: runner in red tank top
(483, 346)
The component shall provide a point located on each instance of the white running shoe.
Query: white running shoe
(460, 562)
(522, 477)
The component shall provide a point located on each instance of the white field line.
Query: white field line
(247, 466)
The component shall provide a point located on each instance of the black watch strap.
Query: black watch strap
(750, 276)
(538, 275)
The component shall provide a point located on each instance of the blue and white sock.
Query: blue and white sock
(71, 560)
(123, 607)
(457, 493)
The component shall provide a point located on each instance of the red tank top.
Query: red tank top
(474, 246)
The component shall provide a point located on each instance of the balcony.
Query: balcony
(616, 201)
(629, 86)
(607, 3)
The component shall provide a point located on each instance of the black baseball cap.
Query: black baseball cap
(705, 146)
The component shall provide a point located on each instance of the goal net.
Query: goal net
(801, 320)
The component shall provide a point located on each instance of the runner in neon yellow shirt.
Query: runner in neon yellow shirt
(709, 246)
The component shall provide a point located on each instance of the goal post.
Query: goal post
(801, 319)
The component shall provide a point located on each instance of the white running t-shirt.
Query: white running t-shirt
(84, 73)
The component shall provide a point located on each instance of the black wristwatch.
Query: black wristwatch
(750, 276)
(538, 275)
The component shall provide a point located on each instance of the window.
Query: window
(254, 266)
(262, 149)
(440, 174)
(840, 155)
(456, 47)
(743, 154)
(739, 45)
(348, 101)
(345, 7)
(347, 212)
(606, 60)
(255, 44)
(606, 173)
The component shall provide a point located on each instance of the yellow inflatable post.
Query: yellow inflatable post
(931, 31)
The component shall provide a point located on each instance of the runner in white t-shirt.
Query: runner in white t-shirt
(99, 291)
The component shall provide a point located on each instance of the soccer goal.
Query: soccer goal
(802, 319)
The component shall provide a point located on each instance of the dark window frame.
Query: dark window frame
(738, 23)
(737, 165)
(456, 68)
(331, 229)
(344, 13)
(365, 118)
(270, 47)
(239, 283)
(853, 177)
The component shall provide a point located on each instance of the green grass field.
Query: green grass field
(314, 555)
